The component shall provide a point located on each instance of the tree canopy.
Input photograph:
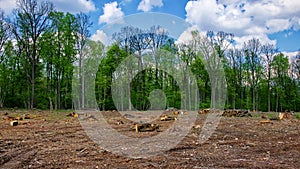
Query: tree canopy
(41, 50)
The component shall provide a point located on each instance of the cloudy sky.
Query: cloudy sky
(272, 21)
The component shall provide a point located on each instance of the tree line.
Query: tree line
(39, 47)
(42, 50)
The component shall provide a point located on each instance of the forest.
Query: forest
(41, 49)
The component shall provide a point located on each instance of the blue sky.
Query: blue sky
(272, 21)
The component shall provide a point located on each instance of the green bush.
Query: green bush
(297, 115)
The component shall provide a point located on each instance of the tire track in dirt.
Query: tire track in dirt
(18, 156)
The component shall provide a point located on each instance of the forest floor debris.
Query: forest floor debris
(237, 113)
(50, 142)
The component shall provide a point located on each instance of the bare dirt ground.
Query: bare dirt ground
(53, 140)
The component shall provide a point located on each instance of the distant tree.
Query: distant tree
(269, 51)
(158, 37)
(31, 21)
(103, 82)
(84, 25)
(212, 48)
(5, 33)
(252, 51)
(280, 66)
(93, 52)
(233, 71)
(61, 39)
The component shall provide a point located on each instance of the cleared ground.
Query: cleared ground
(55, 140)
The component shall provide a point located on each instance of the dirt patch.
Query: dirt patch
(54, 140)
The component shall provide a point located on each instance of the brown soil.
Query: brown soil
(53, 140)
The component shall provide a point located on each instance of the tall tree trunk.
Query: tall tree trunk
(82, 81)
(269, 97)
(32, 85)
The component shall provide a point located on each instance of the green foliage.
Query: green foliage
(297, 115)
(145, 82)
(103, 81)
(36, 71)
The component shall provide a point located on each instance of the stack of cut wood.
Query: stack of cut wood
(281, 116)
(14, 121)
(285, 115)
(203, 111)
(237, 113)
(210, 110)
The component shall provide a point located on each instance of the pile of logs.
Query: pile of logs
(285, 115)
(237, 113)
(16, 120)
(206, 111)
(203, 111)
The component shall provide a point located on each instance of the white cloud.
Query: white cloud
(75, 6)
(147, 5)
(100, 36)
(245, 18)
(186, 36)
(276, 25)
(111, 14)
(61, 5)
(296, 23)
(263, 38)
(291, 55)
(125, 2)
(7, 6)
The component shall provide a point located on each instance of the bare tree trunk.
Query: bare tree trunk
(277, 99)
(253, 91)
(32, 86)
(1, 98)
(28, 97)
(82, 84)
(128, 85)
(59, 94)
(1, 104)
(51, 105)
(269, 97)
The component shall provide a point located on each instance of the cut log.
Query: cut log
(203, 111)
(18, 118)
(119, 122)
(176, 112)
(285, 115)
(197, 127)
(9, 118)
(263, 122)
(25, 123)
(146, 127)
(167, 118)
(26, 116)
(73, 115)
(14, 123)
